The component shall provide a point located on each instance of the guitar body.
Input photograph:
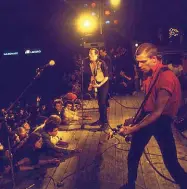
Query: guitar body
(91, 86)
(128, 122)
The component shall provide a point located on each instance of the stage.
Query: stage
(102, 163)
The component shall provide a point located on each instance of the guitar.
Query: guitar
(119, 52)
(91, 85)
(116, 130)
(128, 122)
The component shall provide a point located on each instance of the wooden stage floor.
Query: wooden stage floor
(103, 163)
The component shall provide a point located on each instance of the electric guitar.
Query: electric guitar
(119, 52)
(91, 85)
(116, 130)
(128, 122)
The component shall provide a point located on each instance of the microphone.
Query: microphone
(51, 63)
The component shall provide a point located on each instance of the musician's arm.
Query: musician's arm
(103, 82)
(161, 102)
(127, 77)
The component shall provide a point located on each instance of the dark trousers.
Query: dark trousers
(102, 101)
(162, 132)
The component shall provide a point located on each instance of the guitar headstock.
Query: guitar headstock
(120, 52)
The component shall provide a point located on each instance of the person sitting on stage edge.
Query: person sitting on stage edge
(69, 114)
(58, 108)
(56, 120)
(50, 145)
(27, 157)
(4, 161)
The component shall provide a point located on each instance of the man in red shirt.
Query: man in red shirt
(158, 111)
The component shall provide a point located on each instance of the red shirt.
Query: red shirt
(168, 81)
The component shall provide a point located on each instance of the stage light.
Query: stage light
(85, 5)
(136, 44)
(107, 22)
(107, 12)
(115, 3)
(116, 22)
(87, 24)
(93, 14)
(93, 5)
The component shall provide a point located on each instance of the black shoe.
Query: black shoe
(96, 123)
(104, 126)
(128, 186)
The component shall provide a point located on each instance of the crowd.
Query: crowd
(37, 136)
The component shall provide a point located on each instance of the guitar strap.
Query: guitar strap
(163, 69)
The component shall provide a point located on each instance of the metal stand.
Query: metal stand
(82, 91)
(38, 73)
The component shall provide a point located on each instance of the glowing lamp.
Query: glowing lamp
(107, 12)
(116, 22)
(93, 5)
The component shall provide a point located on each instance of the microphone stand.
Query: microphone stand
(82, 90)
(38, 73)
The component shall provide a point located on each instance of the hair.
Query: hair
(96, 50)
(58, 101)
(25, 124)
(33, 138)
(1, 147)
(54, 119)
(20, 130)
(68, 102)
(147, 48)
(103, 49)
(49, 127)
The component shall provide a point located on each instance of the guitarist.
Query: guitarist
(161, 106)
(100, 82)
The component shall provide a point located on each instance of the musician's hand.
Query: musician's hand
(124, 84)
(128, 121)
(90, 87)
(96, 85)
(54, 161)
(110, 134)
(128, 129)
(38, 99)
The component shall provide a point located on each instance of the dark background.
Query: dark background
(47, 25)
